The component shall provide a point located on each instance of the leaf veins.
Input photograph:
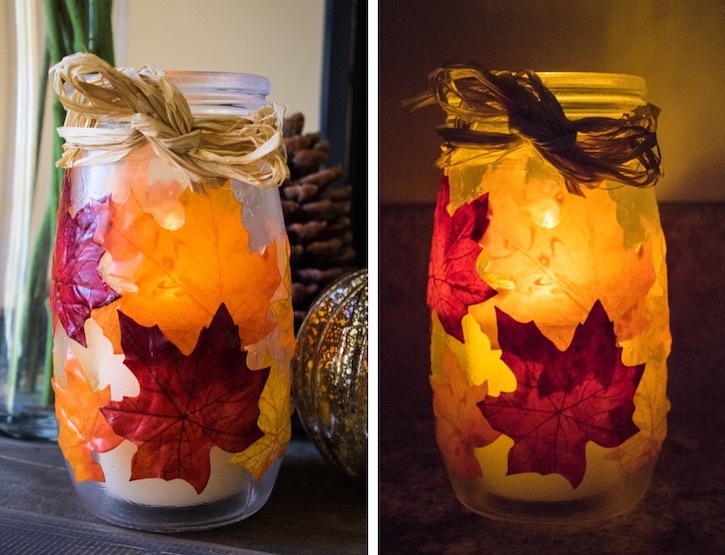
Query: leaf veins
(76, 286)
(81, 427)
(188, 403)
(454, 283)
(563, 399)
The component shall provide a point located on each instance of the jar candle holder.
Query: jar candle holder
(170, 293)
(548, 293)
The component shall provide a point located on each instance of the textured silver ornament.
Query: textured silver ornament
(330, 374)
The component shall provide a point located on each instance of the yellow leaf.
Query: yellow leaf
(479, 362)
(650, 400)
(275, 416)
(438, 346)
(460, 425)
(650, 416)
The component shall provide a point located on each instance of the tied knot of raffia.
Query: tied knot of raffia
(586, 151)
(112, 112)
(165, 136)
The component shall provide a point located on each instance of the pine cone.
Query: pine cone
(317, 215)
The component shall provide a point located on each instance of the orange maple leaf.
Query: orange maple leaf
(82, 427)
(552, 272)
(180, 277)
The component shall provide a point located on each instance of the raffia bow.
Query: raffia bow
(585, 151)
(112, 112)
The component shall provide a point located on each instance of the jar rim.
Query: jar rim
(581, 94)
(593, 81)
(586, 94)
(219, 80)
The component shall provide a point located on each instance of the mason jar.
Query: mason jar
(170, 295)
(548, 293)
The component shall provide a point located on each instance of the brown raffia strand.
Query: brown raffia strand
(585, 151)
(143, 107)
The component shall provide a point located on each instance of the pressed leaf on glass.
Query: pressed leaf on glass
(460, 425)
(563, 399)
(76, 285)
(454, 283)
(281, 342)
(82, 428)
(275, 421)
(650, 417)
(479, 361)
(559, 253)
(174, 273)
(651, 403)
(275, 404)
(188, 403)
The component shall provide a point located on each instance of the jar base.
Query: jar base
(167, 519)
(582, 510)
(579, 511)
(40, 424)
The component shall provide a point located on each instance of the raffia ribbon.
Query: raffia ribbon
(585, 151)
(112, 112)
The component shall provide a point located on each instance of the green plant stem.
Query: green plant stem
(37, 289)
(78, 14)
(43, 80)
(36, 293)
(72, 26)
(49, 225)
(59, 41)
(101, 31)
(34, 323)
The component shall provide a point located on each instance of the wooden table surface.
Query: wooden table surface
(312, 510)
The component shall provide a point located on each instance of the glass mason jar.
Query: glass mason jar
(548, 294)
(172, 331)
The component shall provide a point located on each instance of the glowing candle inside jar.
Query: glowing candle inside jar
(182, 358)
(548, 295)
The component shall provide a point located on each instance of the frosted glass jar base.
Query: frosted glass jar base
(583, 510)
(228, 510)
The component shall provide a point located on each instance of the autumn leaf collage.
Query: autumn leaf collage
(172, 291)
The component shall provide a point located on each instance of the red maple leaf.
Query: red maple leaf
(454, 283)
(64, 202)
(187, 404)
(563, 399)
(76, 286)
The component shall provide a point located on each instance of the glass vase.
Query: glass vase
(548, 295)
(172, 332)
(26, 216)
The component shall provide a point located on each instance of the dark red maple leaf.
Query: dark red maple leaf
(454, 283)
(563, 399)
(187, 404)
(76, 287)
